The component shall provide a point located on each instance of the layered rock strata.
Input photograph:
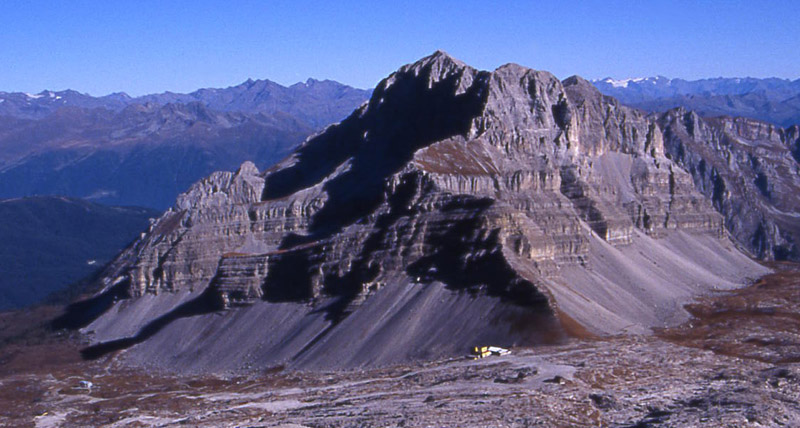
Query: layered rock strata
(456, 205)
(750, 170)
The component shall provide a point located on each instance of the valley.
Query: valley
(48, 243)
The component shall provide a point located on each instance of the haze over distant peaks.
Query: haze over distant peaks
(770, 99)
(252, 96)
(145, 150)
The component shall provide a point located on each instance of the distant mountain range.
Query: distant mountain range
(49, 242)
(771, 100)
(143, 155)
(316, 102)
(144, 151)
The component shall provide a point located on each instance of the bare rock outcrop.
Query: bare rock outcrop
(751, 172)
(455, 206)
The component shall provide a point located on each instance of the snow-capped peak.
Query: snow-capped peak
(623, 83)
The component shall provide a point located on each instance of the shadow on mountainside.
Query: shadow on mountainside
(205, 303)
(402, 116)
(400, 119)
(82, 313)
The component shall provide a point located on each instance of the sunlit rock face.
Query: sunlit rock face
(749, 170)
(455, 205)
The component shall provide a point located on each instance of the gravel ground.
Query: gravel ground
(717, 370)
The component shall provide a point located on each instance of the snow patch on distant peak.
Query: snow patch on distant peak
(33, 96)
(623, 83)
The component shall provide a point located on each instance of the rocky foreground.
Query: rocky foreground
(737, 363)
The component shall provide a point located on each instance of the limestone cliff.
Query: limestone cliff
(455, 206)
(749, 170)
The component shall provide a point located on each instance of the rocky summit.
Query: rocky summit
(456, 207)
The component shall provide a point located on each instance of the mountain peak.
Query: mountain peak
(580, 84)
(459, 191)
(441, 58)
(435, 67)
(513, 67)
(439, 62)
(438, 53)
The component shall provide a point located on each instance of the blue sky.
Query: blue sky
(152, 46)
